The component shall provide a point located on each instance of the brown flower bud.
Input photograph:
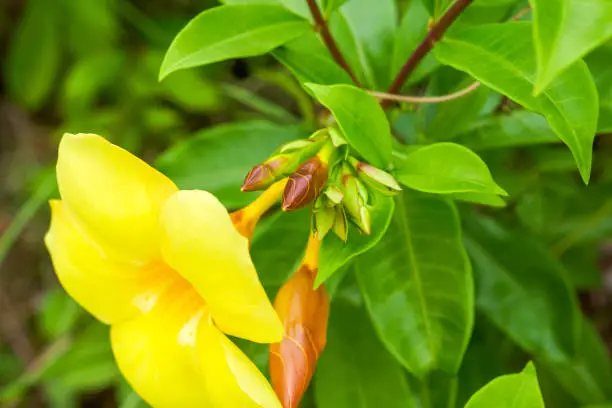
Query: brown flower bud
(305, 185)
(263, 175)
(304, 313)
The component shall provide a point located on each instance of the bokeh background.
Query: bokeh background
(91, 66)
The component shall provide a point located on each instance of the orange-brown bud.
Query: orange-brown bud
(304, 313)
(305, 185)
(263, 175)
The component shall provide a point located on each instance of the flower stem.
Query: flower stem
(247, 218)
(433, 36)
(328, 39)
(311, 256)
(426, 99)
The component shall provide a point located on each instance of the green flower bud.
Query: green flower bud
(376, 178)
(355, 200)
(340, 227)
(334, 194)
(324, 221)
(336, 137)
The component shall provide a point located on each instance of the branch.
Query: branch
(434, 35)
(426, 99)
(329, 41)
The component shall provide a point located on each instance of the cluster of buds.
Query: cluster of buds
(348, 197)
(338, 184)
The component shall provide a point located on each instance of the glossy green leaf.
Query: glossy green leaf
(335, 253)
(308, 59)
(417, 284)
(570, 103)
(33, 60)
(355, 370)
(510, 391)
(588, 375)
(413, 28)
(298, 7)
(519, 128)
(365, 35)
(232, 31)
(218, 159)
(445, 168)
(523, 290)
(565, 31)
(361, 119)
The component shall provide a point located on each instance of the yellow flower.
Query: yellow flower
(167, 270)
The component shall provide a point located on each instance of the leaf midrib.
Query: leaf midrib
(421, 295)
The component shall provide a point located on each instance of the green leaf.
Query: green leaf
(218, 159)
(355, 370)
(588, 375)
(278, 246)
(445, 168)
(599, 65)
(89, 77)
(519, 128)
(88, 363)
(58, 314)
(34, 55)
(373, 31)
(92, 26)
(413, 28)
(361, 119)
(510, 391)
(570, 104)
(490, 353)
(335, 253)
(232, 31)
(523, 289)
(436, 7)
(565, 31)
(582, 264)
(417, 285)
(308, 59)
(491, 200)
(460, 112)
(298, 7)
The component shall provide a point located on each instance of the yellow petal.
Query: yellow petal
(199, 241)
(232, 380)
(116, 195)
(173, 356)
(110, 290)
(156, 352)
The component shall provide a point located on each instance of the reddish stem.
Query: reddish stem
(434, 35)
(328, 39)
